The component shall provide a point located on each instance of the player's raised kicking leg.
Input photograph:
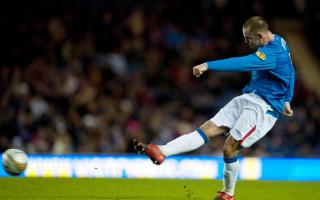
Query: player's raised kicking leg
(182, 144)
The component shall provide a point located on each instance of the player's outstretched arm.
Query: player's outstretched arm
(199, 69)
(262, 59)
(249, 62)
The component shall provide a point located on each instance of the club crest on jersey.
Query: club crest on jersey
(261, 55)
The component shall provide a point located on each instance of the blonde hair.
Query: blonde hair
(256, 24)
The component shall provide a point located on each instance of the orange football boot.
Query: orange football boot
(151, 150)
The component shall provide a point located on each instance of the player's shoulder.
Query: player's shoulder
(266, 51)
(277, 45)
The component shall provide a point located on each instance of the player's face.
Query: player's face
(253, 40)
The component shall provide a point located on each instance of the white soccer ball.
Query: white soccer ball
(14, 161)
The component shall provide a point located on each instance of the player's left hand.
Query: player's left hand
(287, 110)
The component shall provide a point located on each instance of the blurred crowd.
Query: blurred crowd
(80, 77)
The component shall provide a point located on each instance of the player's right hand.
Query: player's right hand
(287, 110)
(199, 69)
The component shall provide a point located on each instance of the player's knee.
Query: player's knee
(211, 130)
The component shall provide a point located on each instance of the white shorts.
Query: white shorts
(248, 118)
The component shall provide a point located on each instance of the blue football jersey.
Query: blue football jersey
(272, 72)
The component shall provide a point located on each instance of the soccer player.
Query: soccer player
(248, 117)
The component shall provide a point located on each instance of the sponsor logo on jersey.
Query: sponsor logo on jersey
(261, 55)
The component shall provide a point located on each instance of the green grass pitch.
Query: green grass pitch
(142, 189)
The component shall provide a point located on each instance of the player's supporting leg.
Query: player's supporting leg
(182, 144)
(231, 168)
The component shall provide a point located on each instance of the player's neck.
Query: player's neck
(268, 37)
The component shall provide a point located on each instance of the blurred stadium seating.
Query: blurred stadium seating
(88, 76)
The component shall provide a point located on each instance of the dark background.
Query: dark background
(88, 76)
